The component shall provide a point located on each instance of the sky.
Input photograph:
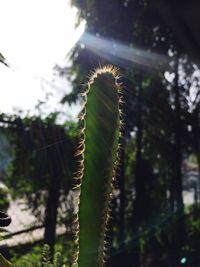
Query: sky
(35, 36)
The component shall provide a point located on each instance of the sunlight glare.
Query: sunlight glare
(122, 55)
(35, 36)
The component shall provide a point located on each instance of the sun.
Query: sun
(35, 35)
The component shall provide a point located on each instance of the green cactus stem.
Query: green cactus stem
(99, 150)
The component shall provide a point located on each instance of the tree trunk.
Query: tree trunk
(51, 214)
(55, 165)
(196, 146)
(137, 213)
(179, 207)
(178, 146)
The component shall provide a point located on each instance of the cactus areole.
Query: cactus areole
(99, 150)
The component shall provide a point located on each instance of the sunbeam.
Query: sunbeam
(123, 55)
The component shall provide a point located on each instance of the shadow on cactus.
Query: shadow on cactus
(98, 151)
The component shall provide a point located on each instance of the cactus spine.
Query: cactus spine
(98, 149)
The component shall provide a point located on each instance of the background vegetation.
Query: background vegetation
(156, 46)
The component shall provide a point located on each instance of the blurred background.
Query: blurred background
(47, 50)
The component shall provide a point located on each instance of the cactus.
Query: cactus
(98, 149)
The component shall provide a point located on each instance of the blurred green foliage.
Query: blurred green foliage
(4, 199)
